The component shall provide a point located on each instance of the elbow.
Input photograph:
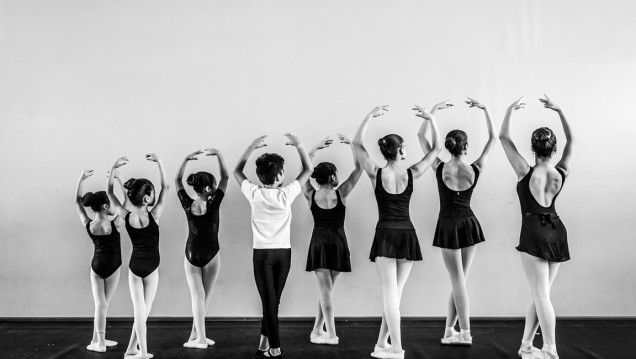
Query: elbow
(503, 137)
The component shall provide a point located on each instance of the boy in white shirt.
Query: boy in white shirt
(271, 219)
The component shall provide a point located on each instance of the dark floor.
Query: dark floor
(610, 339)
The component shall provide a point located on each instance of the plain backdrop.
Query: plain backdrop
(82, 82)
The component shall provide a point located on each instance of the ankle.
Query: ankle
(549, 348)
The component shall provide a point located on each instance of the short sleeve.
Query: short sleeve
(292, 190)
(248, 188)
(216, 198)
(186, 201)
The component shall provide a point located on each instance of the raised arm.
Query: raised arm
(303, 177)
(517, 161)
(165, 186)
(178, 179)
(114, 201)
(361, 153)
(240, 165)
(347, 186)
(492, 138)
(429, 158)
(222, 168)
(124, 191)
(308, 188)
(566, 159)
(84, 218)
(422, 133)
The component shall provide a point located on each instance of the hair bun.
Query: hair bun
(129, 184)
(450, 142)
(382, 142)
(192, 179)
(87, 199)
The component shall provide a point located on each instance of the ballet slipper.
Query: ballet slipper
(378, 348)
(457, 340)
(209, 341)
(547, 355)
(194, 345)
(449, 332)
(530, 352)
(94, 348)
(110, 343)
(382, 354)
(325, 340)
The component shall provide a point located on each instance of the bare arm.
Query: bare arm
(124, 191)
(84, 218)
(422, 133)
(566, 159)
(429, 158)
(492, 138)
(114, 201)
(224, 174)
(178, 179)
(308, 188)
(367, 164)
(165, 186)
(347, 186)
(517, 161)
(308, 168)
(240, 165)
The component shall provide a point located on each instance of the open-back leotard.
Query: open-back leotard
(203, 238)
(107, 256)
(543, 234)
(145, 253)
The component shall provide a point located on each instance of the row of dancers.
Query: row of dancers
(542, 244)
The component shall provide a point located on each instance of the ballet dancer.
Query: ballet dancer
(271, 219)
(328, 253)
(395, 245)
(105, 266)
(543, 241)
(142, 226)
(458, 230)
(202, 259)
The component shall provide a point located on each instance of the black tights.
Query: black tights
(271, 267)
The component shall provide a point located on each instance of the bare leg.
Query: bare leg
(453, 261)
(325, 280)
(319, 323)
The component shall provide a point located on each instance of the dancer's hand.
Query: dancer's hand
(517, 104)
(120, 162)
(547, 103)
(442, 105)
(258, 142)
(323, 144)
(152, 157)
(85, 174)
(344, 139)
(379, 111)
(293, 140)
(211, 151)
(193, 155)
(474, 103)
(422, 112)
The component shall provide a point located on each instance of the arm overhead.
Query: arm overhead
(517, 161)
(163, 196)
(492, 138)
(178, 179)
(347, 186)
(114, 201)
(566, 159)
(304, 158)
(240, 165)
(84, 218)
(367, 164)
(429, 158)
(308, 188)
(224, 174)
(422, 134)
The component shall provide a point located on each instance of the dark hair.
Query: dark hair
(323, 172)
(390, 146)
(543, 142)
(456, 141)
(268, 166)
(200, 180)
(95, 200)
(137, 189)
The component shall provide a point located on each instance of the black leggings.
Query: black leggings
(271, 267)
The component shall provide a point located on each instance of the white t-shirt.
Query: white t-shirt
(271, 213)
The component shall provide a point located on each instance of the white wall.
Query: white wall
(82, 82)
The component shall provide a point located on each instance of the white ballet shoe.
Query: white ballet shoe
(210, 341)
(530, 352)
(547, 355)
(378, 348)
(194, 345)
(382, 354)
(325, 340)
(109, 343)
(94, 348)
(449, 332)
(457, 340)
(137, 356)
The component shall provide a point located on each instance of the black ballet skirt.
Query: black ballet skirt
(395, 235)
(543, 234)
(457, 226)
(328, 248)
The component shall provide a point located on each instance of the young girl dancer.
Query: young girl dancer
(395, 244)
(458, 229)
(271, 219)
(202, 260)
(543, 242)
(328, 250)
(105, 266)
(142, 226)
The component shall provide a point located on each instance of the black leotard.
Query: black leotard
(107, 256)
(457, 226)
(543, 234)
(203, 238)
(145, 253)
(395, 235)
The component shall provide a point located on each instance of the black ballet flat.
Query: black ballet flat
(269, 354)
(260, 354)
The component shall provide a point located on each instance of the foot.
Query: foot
(530, 352)
(449, 332)
(137, 356)
(109, 343)
(458, 340)
(195, 345)
(385, 354)
(314, 335)
(268, 354)
(378, 348)
(94, 348)
(325, 340)
(547, 355)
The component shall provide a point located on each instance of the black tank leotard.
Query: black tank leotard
(145, 253)
(457, 226)
(203, 238)
(328, 248)
(543, 234)
(395, 235)
(107, 256)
